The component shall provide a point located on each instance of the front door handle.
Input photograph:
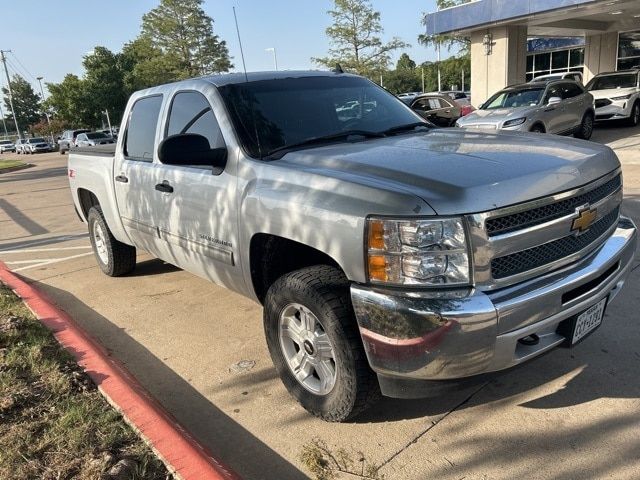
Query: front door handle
(122, 179)
(164, 187)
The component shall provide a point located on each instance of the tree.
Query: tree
(181, 29)
(145, 65)
(405, 63)
(104, 84)
(355, 41)
(69, 101)
(462, 44)
(26, 103)
(402, 80)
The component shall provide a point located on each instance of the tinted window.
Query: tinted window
(554, 91)
(514, 98)
(191, 113)
(569, 90)
(270, 114)
(623, 80)
(141, 132)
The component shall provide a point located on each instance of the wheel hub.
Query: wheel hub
(307, 349)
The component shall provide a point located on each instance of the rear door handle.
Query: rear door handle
(122, 178)
(164, 187)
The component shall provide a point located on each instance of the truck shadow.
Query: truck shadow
(237, 447)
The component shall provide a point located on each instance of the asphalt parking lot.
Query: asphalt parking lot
(200, 350)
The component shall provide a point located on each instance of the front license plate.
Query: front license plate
(588, 321)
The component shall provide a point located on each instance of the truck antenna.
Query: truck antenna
(244, 66)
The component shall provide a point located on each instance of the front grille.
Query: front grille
(603, 102)
(544, 254)
(546, 213)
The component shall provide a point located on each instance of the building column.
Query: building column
(505, 64)
(600, 54)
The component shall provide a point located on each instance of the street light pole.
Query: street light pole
(439, 80)
(13, 112)
(108, 121)
(275, 59)
(46, 114)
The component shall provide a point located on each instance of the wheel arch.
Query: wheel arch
(271, 256)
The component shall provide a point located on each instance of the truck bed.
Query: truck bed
(108, 150)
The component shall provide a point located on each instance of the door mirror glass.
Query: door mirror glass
(190, 149)
(554, 100)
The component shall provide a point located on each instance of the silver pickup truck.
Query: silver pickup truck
(390, 256)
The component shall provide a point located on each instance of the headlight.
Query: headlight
(417, 252)
(623, 97)
(514, 122)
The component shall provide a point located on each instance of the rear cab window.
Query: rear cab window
(140, 136)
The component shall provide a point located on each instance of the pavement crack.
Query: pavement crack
(433, 424)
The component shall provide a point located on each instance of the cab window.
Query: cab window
(141, 130)
(191, 113)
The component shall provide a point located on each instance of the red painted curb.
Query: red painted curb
(183, 454)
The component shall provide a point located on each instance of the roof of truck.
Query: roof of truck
(239, 77)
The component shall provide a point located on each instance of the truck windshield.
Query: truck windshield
(273, 114)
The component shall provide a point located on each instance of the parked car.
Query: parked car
(386, 253)
(68, 138)
(575, 76)
(7, 146)
(20, 143)
(408, 97)
(460, 97)
(91, 139)
(440, 110)
(559, 106)
(36, 145)
(617, 96)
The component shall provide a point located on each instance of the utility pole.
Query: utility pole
(439, 81)
(275, 59)
(108, 122)
(463, 79)
(422, 68)
(4, 62)
(381, 84)
(46, 114)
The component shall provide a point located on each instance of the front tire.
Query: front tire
(585, 130)
(634, 119)
(315, 344)
(114, 257)
(537, 129)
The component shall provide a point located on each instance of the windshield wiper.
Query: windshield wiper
(278, 153)
(405, 128)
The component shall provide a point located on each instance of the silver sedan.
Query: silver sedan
(562, 107)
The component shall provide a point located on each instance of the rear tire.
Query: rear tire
(114, 257)
(301, 308)
(634, 119)
(585, 130)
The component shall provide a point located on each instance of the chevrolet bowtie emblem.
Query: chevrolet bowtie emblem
(585, 217)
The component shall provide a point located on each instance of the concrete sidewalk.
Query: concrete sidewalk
(200, 350)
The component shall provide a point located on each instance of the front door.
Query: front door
(197, 216)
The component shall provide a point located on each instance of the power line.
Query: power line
(22, 65)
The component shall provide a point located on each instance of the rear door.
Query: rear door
(574, 101)
(198, 218)
(135, 174)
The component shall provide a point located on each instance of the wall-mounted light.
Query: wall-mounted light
(487, 43)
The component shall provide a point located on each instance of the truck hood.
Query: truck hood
(458, 171)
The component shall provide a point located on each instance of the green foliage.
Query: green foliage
(405, 63)
(176, 42)
(69, 100)
(407, 79)
(181, 29)
(26, 103)
(355, 41)
(461, 44)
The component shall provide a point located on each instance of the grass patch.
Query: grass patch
(54, 424)
(5, 164)
(326, 464)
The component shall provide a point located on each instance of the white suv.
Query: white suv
(617, 95)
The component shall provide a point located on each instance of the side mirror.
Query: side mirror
(554, 100)
(188, 149)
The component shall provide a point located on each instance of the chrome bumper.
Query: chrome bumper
(453, 334)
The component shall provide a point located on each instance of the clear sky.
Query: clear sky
(50, 37)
